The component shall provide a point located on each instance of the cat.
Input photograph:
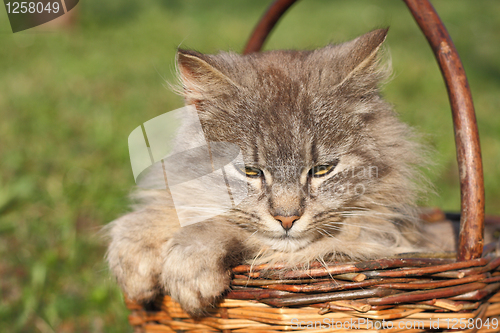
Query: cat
(332, 174)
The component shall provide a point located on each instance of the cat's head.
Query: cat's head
(320, 145)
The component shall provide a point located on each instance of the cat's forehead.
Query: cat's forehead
(273, 70)
(281, 136)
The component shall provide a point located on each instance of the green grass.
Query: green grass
(68, 101)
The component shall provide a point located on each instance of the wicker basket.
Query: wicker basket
(410, 293)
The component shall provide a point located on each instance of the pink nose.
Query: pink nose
(287, 221)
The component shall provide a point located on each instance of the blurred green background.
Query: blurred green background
(69, 98)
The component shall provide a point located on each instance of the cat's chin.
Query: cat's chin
(287, 244)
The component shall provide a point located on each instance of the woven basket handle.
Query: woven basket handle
(470, 165)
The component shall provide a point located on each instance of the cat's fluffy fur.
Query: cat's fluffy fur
(288, 111)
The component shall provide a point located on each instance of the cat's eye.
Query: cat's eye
(251, 172)
(321, 170)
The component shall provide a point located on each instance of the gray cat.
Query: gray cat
(332, 173)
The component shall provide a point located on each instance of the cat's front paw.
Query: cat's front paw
(195, 278)
(136, 268)
(134, 254)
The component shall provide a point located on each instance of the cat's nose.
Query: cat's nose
(286, 221)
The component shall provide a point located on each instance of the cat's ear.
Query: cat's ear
(200, 77)
(364, 50)
(353, 58)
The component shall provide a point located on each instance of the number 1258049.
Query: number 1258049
(32, 7)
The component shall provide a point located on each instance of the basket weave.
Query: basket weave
(419, 291)
(254, 317)
(410, 293)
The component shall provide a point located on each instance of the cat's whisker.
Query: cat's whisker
(321, 232)
(368, 213)
(330, 235)
(383, 230)
(261, 252)
(335, 228)
(363, 213)
(323, 263)
(356, 209)
(253, 234)
(325, 233)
